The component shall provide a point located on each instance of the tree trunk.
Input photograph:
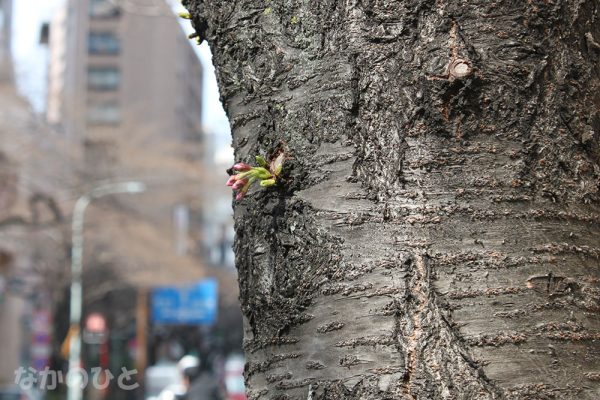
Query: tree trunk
(437, 235)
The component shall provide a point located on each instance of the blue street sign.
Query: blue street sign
(190, 305)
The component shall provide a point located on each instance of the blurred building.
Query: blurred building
(125, 83)
(11, 308)
(117, 73)
(35, 186)
(5, 36)
(125, 86)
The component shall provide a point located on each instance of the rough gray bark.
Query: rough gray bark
(438, 234)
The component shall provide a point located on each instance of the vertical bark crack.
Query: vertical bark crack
(419, 301)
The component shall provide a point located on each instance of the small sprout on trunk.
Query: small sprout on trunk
(267, 174)
(261, 161)
(268, 182)
(200, 26)
(277, 164)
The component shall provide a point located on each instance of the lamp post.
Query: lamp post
(74, 387)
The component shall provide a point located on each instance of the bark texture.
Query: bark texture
(438, 232)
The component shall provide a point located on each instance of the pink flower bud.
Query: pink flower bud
(239, 184)
(231, 180)
(242, 167)
(240, 196)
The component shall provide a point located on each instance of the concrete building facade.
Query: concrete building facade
(117, 73)
(125, 85)
(5, 38)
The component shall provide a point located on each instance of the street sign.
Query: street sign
(190, 305)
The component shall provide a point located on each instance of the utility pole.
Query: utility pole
(5, 39)
(74, 387)
(142, 331)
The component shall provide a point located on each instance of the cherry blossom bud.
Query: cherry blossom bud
(242, 167)
(231, 180)
(267, 174)
(239, 184)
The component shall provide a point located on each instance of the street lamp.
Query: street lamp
(74, 389)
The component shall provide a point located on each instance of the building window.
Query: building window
(103, 43)
(104, 113)
(103, 9)
(104, 78)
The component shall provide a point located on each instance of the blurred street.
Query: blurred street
(117, 278)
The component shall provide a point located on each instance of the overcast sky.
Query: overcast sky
(31, 60)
